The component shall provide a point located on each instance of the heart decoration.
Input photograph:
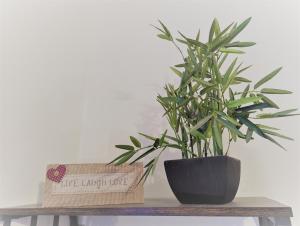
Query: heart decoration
(56, 174)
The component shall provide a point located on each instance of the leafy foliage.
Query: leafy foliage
(204, 105)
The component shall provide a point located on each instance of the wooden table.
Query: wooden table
(269, 212)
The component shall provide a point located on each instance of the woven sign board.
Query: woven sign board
(75, 185)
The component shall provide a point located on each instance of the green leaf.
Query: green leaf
(135, 141)
(202, 82)
(266, 127)
(143, 155)
(250, 125)
(275, 91)
(217, 134)
(228, 72)
(249, 135)
(222, 60)
(231, 95)
(243, 69)
(146, 173)
(197, 134)
(227, 117)
(267, 78)
(165, 37)
(234, 51)
(274, 141)
(121, 156)
(242, 101)
(268, 101)
(214, 29)
(259, 106)
(245, 92)
(241, 79)
(125, 147)
(230, 126)
(238, 29)
(279, 114)
(194, 42)
(162, 139)
(240, 44)
(125, 158)
(148, 137)
(276, 134)
(220, 40)
(200, 123)
(208, 89)
(177, 72)
(165, 28)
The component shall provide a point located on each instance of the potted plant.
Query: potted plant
(212, 106)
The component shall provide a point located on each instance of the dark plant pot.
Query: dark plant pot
(210, 180)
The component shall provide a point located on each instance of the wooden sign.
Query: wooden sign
(75, 185)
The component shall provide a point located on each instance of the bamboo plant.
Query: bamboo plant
(212, 99)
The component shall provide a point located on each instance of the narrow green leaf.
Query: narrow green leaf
(162, 139)
(250, 125)
(252, 107)
(135, 141)
(240, 44)
(249, 135)
(222, 60)
(266, 127)
(230, 126)
(124, 159)
(165, 28)
(177, 72)
(274, 141)
(276, 134)
(243, 69)
(280, 113)
(120, 156)
(197, 134)
(231, 95)
(165, 37)
(238, 29)
(227, 117)
(143, 155)
(217, 134)
(241, 79)
(201, 122)
(146, 173)
(245, 92)
(267, 78)
(214, 29)
(148, 137)
(275, 91)
(268, 101)
(234, 51)
(229, 71)
(125, 147)
(242, 101)
(202, 82)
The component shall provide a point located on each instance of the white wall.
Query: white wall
(78, 77)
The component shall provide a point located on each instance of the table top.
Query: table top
(242, 206)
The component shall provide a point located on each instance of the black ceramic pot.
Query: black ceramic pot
(210, 180)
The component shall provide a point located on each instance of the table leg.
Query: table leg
(74, 221)
(55, 220)
(274, 221)
(33, 221)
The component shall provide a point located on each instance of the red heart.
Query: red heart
(56, 174)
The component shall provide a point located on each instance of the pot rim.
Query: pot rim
(204, 158)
